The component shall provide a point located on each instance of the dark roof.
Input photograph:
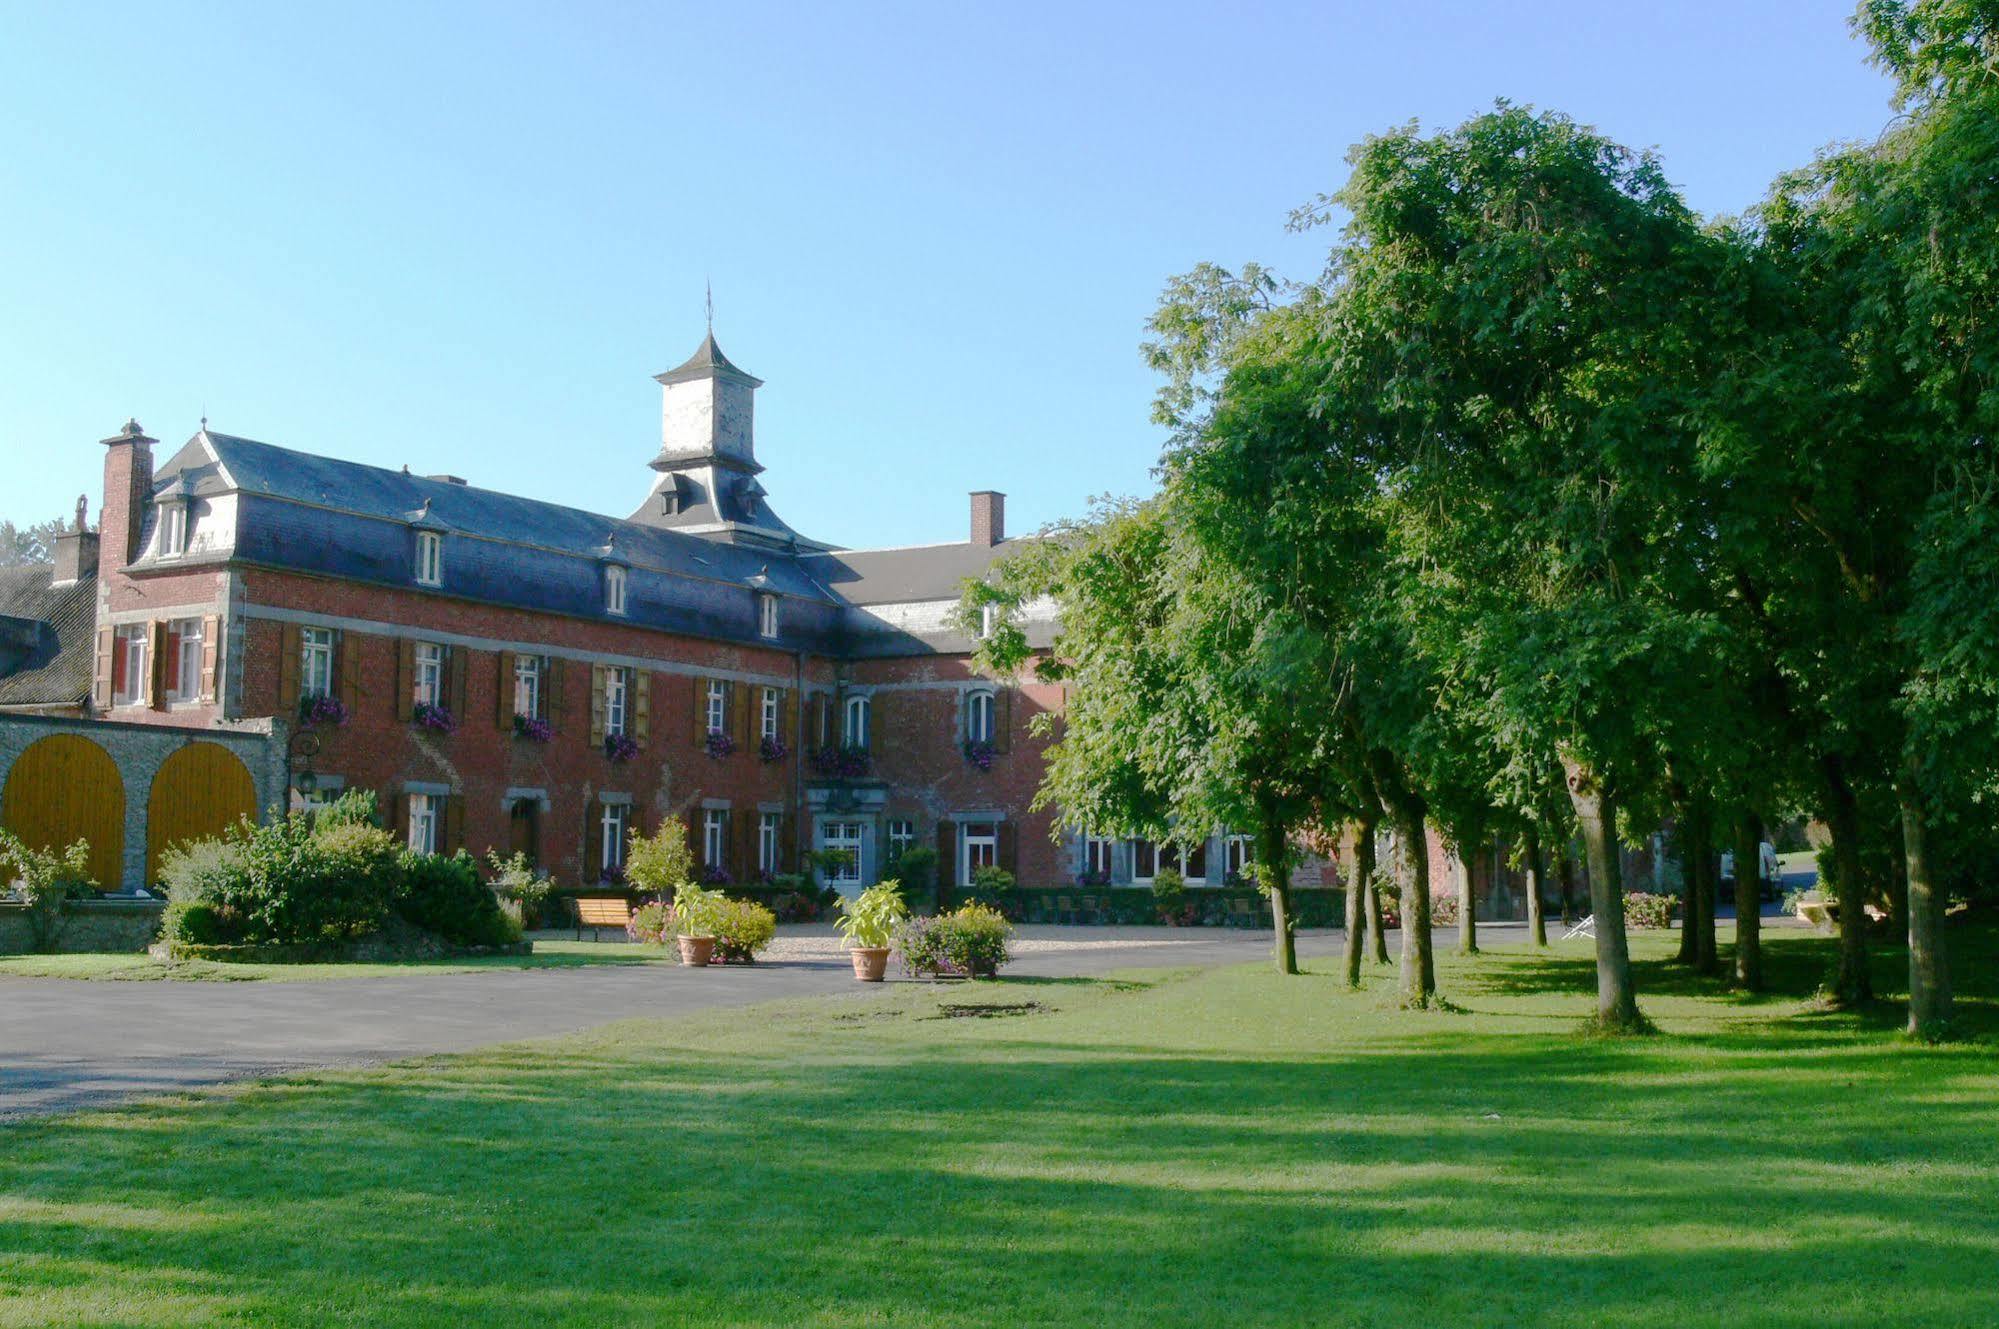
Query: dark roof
(892, 576)
(706, 361)
(45, 648)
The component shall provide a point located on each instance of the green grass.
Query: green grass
(127, 966)
(1197, 1147)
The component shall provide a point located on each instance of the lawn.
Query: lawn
(1195, 1147)
(126, 965)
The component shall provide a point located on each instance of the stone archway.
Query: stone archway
(64, 788)
(200, 790)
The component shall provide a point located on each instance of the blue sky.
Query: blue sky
(464, 238)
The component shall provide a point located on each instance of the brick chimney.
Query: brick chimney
(128, 487)
(76, 549)
(988, 517)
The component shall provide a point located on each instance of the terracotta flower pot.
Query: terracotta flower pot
(696, 951)
(870, 963)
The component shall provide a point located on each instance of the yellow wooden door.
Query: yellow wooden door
(200, 791)
(64, 788)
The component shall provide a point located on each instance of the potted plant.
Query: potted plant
(868, 925)
(695, 911)
(662, 865)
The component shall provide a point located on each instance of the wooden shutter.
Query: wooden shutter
(597, 707)
(211, 657)
(396, 815)
(1009, 847)
(877, 704)
(699, 729)
(783, 716)
(820, 716)
(403, 700)
(743, 843)
(593, 842)
(102, 679)
(156, 685)
(1003, 720)
(454, 825)
(641, 704)
(289, 649)
(552, 671)
(947, 859)
(350, 672)
(503, 690)
(456, 667)
(739, 712)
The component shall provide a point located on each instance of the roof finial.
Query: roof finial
(711, 306)
(82, 507)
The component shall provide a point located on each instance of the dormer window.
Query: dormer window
(766, 615)
(614, 589)
(173, 529)
(429, 558)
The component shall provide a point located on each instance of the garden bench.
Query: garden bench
(598, 912)
(1585, 928)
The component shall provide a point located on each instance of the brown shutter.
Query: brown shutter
(403, 700)
(289, 649)
(102, 678)
(876, 704)
(597, 706)
(551, 689)
(593, 842)
(783, 716)
(350, 672)
(699, 729)
(641, 704)
(1003, 720)
(211, 657)
(739, 713)
(503, 690)
(156, 690)
(454, 824)
(743, 841)
(396, 815)
(947, 859)
(1009, 847)
(456, 667)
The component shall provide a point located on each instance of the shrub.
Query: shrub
(651, 922)
(871, 920)
(286, 882)
(356, 807)
(991, 887)
(46, 880)
(445, 896)
(661, 863)
(916, 868)
(742, 928)
(1169, 893)
(970, 941)
(696, 910)
(1645, 910)
(195, 923)
(1444, 910)
(520, 881)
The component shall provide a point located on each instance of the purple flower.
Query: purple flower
(845, 762)
(322, 710)
(720, 744)
(980, 753)
(620, 747)
(528, 726)
(430, 715)
(716, 875)
(772, 749)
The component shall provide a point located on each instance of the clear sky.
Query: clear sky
(464, 238)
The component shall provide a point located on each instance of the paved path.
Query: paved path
(67, 1043)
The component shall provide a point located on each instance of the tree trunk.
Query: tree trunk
(1565, 872)
(1898, 895)
(1419, 969)
(1748, 902)
(1929, 967)
(1360, 878)
(1537, 926)
(1690, 891)
(1704, 887)
(1616, 996)
(1467, 905)
(1274, 871)
(1377, 935)
(1851, 982)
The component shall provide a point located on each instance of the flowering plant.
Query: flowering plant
(322, 710)
(980, 753)
(620, 747)
(846, 761)
(1093, 878)
(430, 715)
(720, 744)
(771, 748)
(534, 727)
(714, 874)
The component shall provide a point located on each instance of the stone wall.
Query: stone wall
(88, 925)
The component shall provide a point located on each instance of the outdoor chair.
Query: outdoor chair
(1585, 928)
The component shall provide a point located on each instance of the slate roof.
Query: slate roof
(898, 576)
(45, 637)
(707, 360)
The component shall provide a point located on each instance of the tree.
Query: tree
(29, 544)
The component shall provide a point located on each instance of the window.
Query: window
(857, 722)
(315, 662)
(901, 835)
(714, 837)
(766, 615)
(846, 836)
(979, 718)
(771, 705)
(978, 847)
(527, 686)
(767, 842)
(1236, 855)
(612, 840)
(1098, 855)
(614, 589)
(131, 674)
(1190, 861)
(1144, 860)
(429, 558)
(617, 689)
(426, 812)
(429, 674)
(173, 528)
(184, 639)
(989, 619)
(718, 707)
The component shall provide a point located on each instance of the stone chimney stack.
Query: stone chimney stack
(988, 517)
(76, 549)
(128, 487)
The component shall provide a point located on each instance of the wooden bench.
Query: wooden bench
(598, 912)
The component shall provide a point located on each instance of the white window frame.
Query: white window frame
(769, 827)
(899, 835)
(315, 662)
(1139, 877)
(849, 835)
(614, 589)
(426, 815)
(429, 558)
(617, 699)
(527, 686)
(766, 615)
(428, 675)
(134, 641)
(771, 706)
(855, 717)
(186, 635)
(612, 840)
(981, 714)
(173, 529)
(989, 620)
(1100, 855)
(714, 838)
(1238, 852)
(980, 840)
(717, 709)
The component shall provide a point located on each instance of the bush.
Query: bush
(1169, 892)
(1444, 910)
(742, 928)
(284, 882)
(992, 887)
(445, 896)
(662, 863)
(46, 881)
(1645, 910)
(356, 807)
(517, 880)
(651, 923)
(970, 941)
(916, 868)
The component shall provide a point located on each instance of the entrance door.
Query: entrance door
(524, 829)
(852, 837)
